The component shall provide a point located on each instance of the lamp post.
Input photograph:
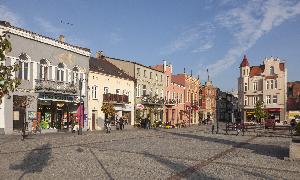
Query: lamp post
(80, 108)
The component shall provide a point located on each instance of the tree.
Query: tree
(108, 109)
(259, 111)
(7, 82)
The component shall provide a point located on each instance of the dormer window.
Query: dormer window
(272, 70)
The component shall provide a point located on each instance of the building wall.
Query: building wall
(36, 50)
(262, 91)
(113, 83)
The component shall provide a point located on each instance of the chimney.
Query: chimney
(61, 38)
(99, 54)
(165, 65)
(191, 72)
(184, 70)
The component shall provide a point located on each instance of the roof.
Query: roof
(133, 63)
(103, 66)
(7, 24)
(256, 70)
(244, 62)
(158, 67)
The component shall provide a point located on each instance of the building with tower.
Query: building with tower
(266, 82)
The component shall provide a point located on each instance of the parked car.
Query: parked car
(270, 123)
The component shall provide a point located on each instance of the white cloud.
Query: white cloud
(7, 15)
(200, 35)
(48, 27)
(248, 24)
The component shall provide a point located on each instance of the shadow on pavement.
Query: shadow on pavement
(102, 166)
(34, 161)
(177, 168)
(262, 149)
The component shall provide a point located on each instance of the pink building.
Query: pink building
(173, 96)
(190, 97)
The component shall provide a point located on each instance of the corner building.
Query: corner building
(267, 83)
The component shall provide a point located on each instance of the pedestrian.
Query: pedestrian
(121, 121)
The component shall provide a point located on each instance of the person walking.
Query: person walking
(121, 121)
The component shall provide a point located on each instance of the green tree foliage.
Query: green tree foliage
(108, 108)
(259, 111)
(7, 82)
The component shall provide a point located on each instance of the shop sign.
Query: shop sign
(127, 107)
(118, 108)
(140, 106)
(274, 110)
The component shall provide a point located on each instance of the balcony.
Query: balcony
(115, 98)
(54, 86)
(170, 102)
(152, 100)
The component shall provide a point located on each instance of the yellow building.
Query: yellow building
(109, 84)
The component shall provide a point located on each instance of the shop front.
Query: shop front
(275, 113)
(58, 111)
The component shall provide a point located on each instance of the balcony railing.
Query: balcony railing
(115, 98)
(170, 102)
(155, 100)
(54, 86)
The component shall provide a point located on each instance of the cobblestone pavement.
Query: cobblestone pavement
(186, 153)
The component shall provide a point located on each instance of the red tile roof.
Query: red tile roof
(244, 62)
(256, 70)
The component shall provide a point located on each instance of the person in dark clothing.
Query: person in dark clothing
(121, 121)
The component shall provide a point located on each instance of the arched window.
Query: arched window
(75, 75)
(272, 70)
(60, 72)
(24, 66)
(44, 69)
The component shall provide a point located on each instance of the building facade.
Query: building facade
(174, 93)
(227, 107)
(267, 83)
(293, 100)
(207, 100)
(190, 97)
(109, 84)
(149, 89)
(50, 73)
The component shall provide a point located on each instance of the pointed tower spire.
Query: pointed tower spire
(244, 62)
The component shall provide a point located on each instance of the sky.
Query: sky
(193, 34)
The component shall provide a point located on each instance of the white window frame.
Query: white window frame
(245, 86)
(267, 84)
(106, 90)
(118, 91)
(94, 92)
(275, 99)
(246, 100)
(268, 99)
(255, 86)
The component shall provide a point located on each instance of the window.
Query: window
(151, 90)
(138, 71)
(167, 82)
(268, 99)
(150, 75)
(246, 100)
(156, 92)
(255, 86)
(268, 85)
(118, 91)
(145, 72)
(106, 89)
(156, 78)
(275, 84)
(75, 75)
(94, 92)
(24, 67)
(244, 72)
(275, 99)
(181, 98)
(272, 84)
(138, 91)
(43, 69)
(161, 79)
(272, 70)
(144, 90)
(60, 72)
(168, 95)
(162, 93)
(255, 99)
(246, 86)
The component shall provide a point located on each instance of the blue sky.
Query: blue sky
(193, 34)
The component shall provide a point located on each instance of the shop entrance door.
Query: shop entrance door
(93, 120)
(18, 118)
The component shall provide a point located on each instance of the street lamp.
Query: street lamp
(80, 108)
